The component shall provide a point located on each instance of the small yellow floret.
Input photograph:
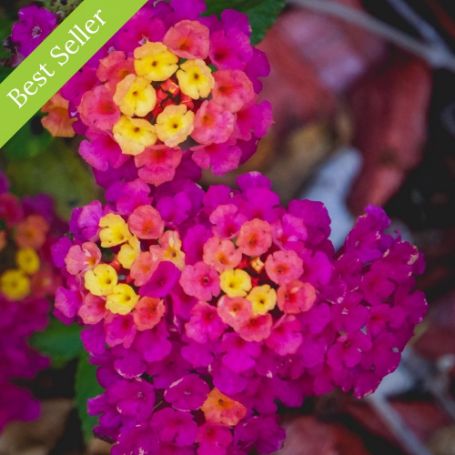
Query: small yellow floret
(101, 280)
(172, 249)
(155, 62)
(174, 125)
(257, 264)
(135, 96)
(15, 285)
(235, 283)
(114, 231)
(263, 299)
(195, 79)
(134, 135)
(129, 252)
(122, 300)
(28, 261)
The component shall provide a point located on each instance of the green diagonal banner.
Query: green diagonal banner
(41, 75)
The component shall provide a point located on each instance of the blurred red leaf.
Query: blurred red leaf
(389, 109)
(315, 57)
(423, 418)
(439, 336)
(308, 436)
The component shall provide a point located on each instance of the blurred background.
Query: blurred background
(364, 102)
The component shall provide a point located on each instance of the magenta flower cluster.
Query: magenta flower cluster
(19, 361)
(27, 280)
(34, 25)
(204, 312)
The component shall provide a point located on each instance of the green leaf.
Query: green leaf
(61, 7)
(28, 142)
(5, 30)
(86, 387)
(262, 13)
(4, 72)
(58, 171)
(60, 342)
(5, 26)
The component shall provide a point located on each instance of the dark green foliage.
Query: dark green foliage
(262, 13)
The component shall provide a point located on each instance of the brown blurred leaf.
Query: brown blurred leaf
(37, 438)
(98, 447)
(443, 442)
(308, 436)
(439, 337)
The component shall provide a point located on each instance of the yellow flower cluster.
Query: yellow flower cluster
(237, 283)
(15, 284)
(136, 97)
(103, 280)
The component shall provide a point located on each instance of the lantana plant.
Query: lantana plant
(202, 322)
(28, 280)
(168, 84)
(205, 309)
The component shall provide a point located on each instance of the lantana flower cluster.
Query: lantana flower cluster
(204, 316)
(27, 281)
(203, 310)
(170, 83)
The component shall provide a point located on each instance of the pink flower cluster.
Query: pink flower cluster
(169, 84)
(27, 281)
(205, 310)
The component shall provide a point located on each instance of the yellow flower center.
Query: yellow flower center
(28, 261)
(134, 135)
(257, 264)
(195, 79)
(135, 96)
(122, 300)
(174, 125)
(101, 280)
(235, 283)
(114, 231)
(155, 62)
(129, 252)
(173, 251)
(263, 299)
(15, 285)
